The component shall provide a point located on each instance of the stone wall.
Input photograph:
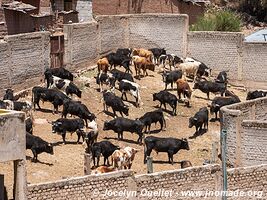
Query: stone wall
(246, 140)
(85, 42)
(173, 184)
(23, 58)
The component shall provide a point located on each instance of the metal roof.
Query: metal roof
(258, 36)
(19, 6)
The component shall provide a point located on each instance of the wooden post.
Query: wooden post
(149, 164)
(87, 163)
(214, 152)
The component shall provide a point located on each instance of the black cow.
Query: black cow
(29, 125)
(118, 75)
(171, 77)
(9, 95)
(256, 94)
(166, 97)
(51, 95)
(37, 145)
(169, 145)
(120, 124)
(105, 148)
(219, 102)
(157, 52)
(115, 103)
(203, 70)
(105, 78)
(124, 51)
(62, 125)
(59, 72)
(171, 59)
(78, 109)
(126, 86)
(222, 77)
(200, 118)
(115, 59)
(153, 117)
(208, 86)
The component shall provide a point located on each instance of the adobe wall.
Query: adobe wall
(218, 50)
(85, 42)
(245, 124)
(23, 58)
(173, 184)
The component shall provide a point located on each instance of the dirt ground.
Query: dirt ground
(67, 160)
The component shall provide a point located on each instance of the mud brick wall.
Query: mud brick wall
(254, 61)
(239, 149)
(23, 59)
(82, 187)
(81, 44)
(219, 51)
(198, 178)
(248, 179)
(163, 31)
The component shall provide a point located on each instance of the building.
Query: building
(194, 8)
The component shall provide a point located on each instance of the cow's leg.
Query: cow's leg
(172, 85)
(79, 136)
(114, 112)
(63, 137)
(139, 140)
(149, 128)
(86, 123)
(208, 95)
(125, 96)
(98, 158)
(216, 115)
(160, 104)
(165, 106)
(94, 160)
(34, 159)
(108, 162)
(130, 165)
(161, 124)
(121, 113)
(170, 155)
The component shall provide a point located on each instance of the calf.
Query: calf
(203, 70)
(120, 124)
(103, 65)
(115, 103)
(185, 164)
(59, 72)
(62, 125)
(123, 157)
(64, 85)
(29, 125)
(18, 106)
(103, 170)
(143, 53)
(126, 86)
(256, 94)
(166, 97)
(144, 64)
(153, 117)
(51, 95)
(219, 102)
(37, 146)
(157, 52)
(78, 109)
(105, 148)
(9, 95)
(189, 68)
(200, 118)
(105, 78)
(184, 88)
(171, 77)
(118, 75)
(91, 136)
(169, 145)
(124, 51)
(208, 86)
(170, 59)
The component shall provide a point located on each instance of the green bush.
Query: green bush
(218, 20)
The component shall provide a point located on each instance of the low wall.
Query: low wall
(23, 58)
(86, 42)
(249, 180)
(174, 184)
(246, 140)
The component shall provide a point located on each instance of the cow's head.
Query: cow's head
(125, 110)
(184, 144)
(107, 126)
(155, 97)
(49, 149)
(214, 107)
(56, 126)
(192, 122)
(164, 76)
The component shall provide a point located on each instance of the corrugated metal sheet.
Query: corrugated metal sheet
(258, 36)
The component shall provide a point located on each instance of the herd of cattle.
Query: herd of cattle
(60, 89)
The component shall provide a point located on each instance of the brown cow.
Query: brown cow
(184, 88)
(143, 53)
(103, 65)
(142, 63)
